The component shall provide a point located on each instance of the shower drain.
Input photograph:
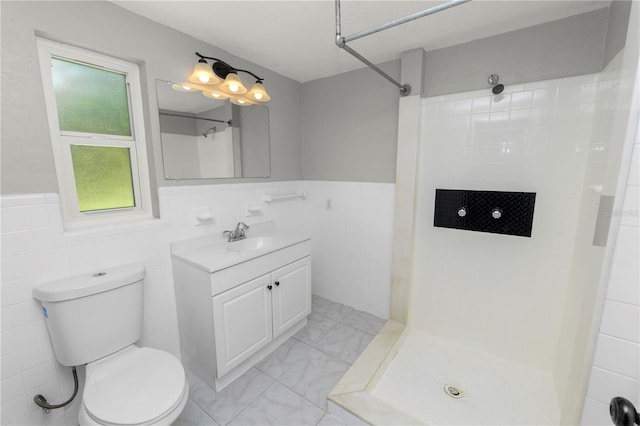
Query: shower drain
(453, 391)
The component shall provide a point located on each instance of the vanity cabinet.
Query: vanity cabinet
(246, 318)
(232, 317)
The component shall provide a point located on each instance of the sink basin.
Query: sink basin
(250, 244)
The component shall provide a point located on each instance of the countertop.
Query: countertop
(212, 255)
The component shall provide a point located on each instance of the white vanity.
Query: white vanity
(238, 301)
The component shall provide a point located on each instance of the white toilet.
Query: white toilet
(94, 319)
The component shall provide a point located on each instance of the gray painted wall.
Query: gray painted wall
(616, 29)
(562, 48)
(162, 53)
(350, 130)
(350, 126)
(342, 127)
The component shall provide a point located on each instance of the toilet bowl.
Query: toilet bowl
(135, 386)
(95, 319)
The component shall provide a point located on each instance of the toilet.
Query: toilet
(95, 319)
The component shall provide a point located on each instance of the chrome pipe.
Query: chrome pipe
(405, 89)
(404, 20)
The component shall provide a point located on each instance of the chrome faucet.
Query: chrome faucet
(238, 233)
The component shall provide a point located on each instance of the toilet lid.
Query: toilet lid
(134, 386)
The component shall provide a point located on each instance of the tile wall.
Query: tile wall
(502, 294)
(36, 249)
(616, 366)
(351, 226)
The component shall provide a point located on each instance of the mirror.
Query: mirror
(204, 138)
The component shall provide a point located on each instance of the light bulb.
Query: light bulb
(182, 87)
(233, 85)
(215, 94)
(204, 78)
(258, 96)
(241, 101)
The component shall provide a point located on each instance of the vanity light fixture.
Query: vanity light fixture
(221, 81)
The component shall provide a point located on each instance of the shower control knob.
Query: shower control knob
(462, 212)
(496, 213)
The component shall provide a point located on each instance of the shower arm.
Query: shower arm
(341, 41)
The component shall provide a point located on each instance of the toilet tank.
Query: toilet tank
(93, 315)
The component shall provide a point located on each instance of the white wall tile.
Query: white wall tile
(533, 139)
(10, 365)
(621, 320)
(623, 284)
(35, 249)
(351, 242)
(603, 385)
(627, 249)
(13, 410)
(617, 355)
(595, 413)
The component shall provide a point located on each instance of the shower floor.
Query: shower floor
(495, 391)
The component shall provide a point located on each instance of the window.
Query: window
(94, 106)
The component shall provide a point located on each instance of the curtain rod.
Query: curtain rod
(341, 41)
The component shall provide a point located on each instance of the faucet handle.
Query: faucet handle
(231, 234)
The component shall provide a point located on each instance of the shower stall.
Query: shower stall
(490, 328)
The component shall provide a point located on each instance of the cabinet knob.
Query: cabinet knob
(277, 283)
(269, 286)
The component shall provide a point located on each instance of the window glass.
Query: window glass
(103, 177)
(90, 99)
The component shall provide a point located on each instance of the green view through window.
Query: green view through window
(103, 177)
(90, 99)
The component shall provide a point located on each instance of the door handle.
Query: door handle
(623, 412)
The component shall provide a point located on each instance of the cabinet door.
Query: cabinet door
(291, 294)
(241, 322)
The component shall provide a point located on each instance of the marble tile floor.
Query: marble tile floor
(290, 386)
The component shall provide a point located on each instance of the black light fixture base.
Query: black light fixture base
(222, 69)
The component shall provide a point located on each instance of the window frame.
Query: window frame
(62, 140)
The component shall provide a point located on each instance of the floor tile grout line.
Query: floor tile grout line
(320, 350)
(305, 398)
(250, 402)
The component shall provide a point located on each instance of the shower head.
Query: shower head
(209, 131)
(496, 88)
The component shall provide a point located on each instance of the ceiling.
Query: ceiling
(296, 38)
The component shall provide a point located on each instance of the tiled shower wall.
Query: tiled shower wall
(615, 370)
(502, 294)
(35, 249)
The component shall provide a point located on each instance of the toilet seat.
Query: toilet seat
(134, 386)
